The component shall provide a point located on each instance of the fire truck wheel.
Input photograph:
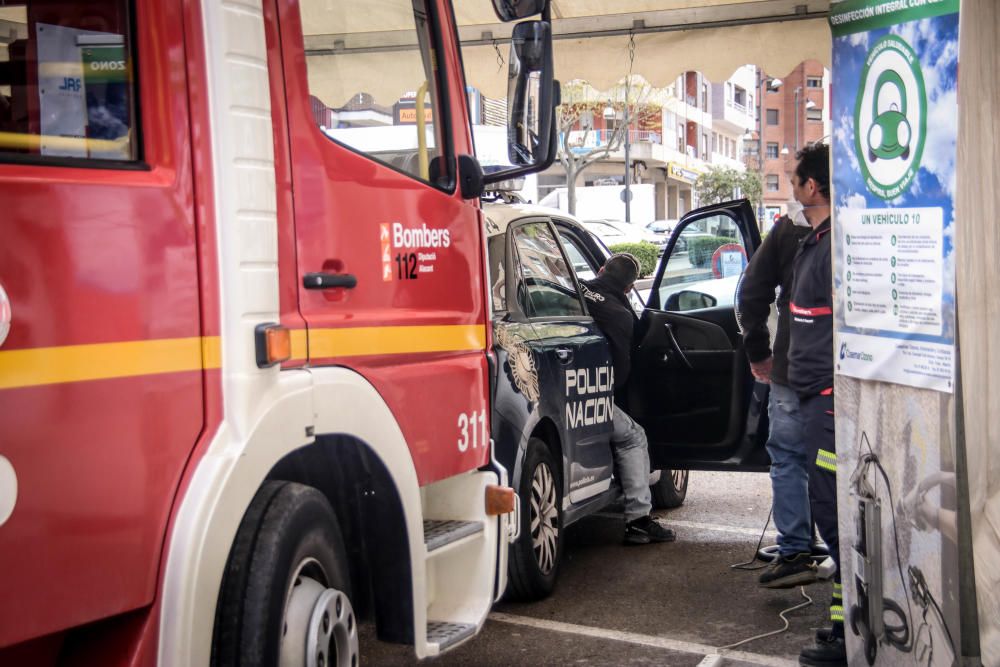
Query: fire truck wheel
(285, 594)
(535, 557)
(671, 490)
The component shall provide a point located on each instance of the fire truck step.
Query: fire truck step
(444, 634)
(441, 533)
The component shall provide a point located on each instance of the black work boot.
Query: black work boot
(829, 652)
(646, 529)
(789, 572)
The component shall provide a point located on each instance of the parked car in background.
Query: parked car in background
(662, 227)
(552, 393)
(613, 232)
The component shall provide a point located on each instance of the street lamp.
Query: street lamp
(809, 105)
(609, 114)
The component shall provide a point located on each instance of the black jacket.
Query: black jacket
(614, 316)
(770, 268)
(810, 352)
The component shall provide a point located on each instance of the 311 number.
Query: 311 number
(472, 429)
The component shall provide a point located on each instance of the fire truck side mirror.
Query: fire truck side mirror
(531, 98)
(513, 10)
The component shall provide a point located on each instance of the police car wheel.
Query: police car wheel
(536, 555)
(671, 490)
(285, 596)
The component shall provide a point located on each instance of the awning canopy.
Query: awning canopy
(593, 41)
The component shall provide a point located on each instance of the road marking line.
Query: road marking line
(642, 640)
(710, 661)
(719, 528)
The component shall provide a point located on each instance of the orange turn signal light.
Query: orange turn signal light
(499, 500)
(273, 343)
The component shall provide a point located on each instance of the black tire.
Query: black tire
(289, 535)
(534, 559)
(671, 490)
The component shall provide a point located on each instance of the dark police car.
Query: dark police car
(552, 393)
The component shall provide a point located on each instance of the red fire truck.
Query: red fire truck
(243, 341)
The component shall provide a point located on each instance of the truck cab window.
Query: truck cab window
(374, 83)
(67, 86)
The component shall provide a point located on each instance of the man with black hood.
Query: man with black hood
(610, 308)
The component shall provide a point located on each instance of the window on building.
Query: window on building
(715, 142)
(704, 146)
(704, 96)
(814, 82)
(69, 91)
(740, 97)
(814, 114)
(772, 182)
(772, 150)
(349, 115)
(772, 116)
(680, 137)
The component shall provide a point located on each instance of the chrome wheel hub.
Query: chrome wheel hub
(320, 629)
(544, 518)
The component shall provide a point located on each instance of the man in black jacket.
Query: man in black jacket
(771, 269)
(810, 373)
(609, 306)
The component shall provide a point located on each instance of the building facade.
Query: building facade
(793, 112)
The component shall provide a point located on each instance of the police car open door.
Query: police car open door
(690, 385)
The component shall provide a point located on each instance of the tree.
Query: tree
(578, 148)
(720, 184)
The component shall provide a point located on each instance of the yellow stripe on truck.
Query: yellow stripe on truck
(102, 361)
(363, 341)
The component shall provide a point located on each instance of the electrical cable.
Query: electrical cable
(896, 635)
(746, 565)
(781, 615)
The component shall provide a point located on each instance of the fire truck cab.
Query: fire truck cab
(244, 346)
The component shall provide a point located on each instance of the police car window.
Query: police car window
(67, 85)
(581, 265)
(374, 82)
(496, 252)
(545, 287)
(705, 266)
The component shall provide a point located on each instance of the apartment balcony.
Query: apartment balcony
(734, 118)
(641, 143)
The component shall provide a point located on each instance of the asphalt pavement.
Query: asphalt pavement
(660, 604)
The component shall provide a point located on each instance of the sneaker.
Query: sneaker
(831, 652)
(645, 530)
(789, 572)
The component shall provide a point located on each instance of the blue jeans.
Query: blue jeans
(631, 455)
(789, 471)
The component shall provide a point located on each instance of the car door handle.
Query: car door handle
(320, 280)
(564, 355)
(676, 346)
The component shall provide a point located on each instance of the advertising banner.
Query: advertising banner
(894, 115)
(895, 112)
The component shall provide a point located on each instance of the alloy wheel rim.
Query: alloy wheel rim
(544, 518)
(679, 478)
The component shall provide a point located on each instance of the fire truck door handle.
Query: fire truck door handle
(329, 280)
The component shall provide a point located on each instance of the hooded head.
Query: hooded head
(621, 270)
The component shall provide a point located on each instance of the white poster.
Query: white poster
(62, 97)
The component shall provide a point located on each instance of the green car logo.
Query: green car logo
(890, 117)
(889, 136)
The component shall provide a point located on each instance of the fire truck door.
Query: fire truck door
(390, 274)
(101, 371)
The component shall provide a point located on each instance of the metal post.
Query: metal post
(760, 147)
(797, 91)
(628, 170)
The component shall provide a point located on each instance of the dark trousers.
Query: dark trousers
(821, 451)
